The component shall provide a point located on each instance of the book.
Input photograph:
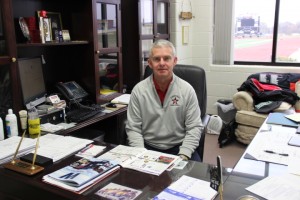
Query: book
(122, 99)
(84, 187)
(187, 187)
(91, 150)
(141, 159)
(83, 171)
(105, 91)
(280, 119)
(116, 191)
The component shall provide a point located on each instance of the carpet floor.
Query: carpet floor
(230, 154)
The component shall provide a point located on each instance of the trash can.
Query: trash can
(226, 110)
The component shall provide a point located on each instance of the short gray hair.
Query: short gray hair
(160, 44)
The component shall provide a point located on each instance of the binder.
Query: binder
(280, 119)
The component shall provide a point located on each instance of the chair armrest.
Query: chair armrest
(243, 101)
(200, 148)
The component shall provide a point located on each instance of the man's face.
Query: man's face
(162, 62)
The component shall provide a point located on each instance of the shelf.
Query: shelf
(52, 44)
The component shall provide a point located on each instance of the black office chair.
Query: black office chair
(195, 76)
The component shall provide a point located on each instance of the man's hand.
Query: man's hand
(184, 157)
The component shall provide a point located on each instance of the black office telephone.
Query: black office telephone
(71, 90)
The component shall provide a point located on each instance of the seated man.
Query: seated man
(163, 113)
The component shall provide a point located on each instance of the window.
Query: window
(257, 32)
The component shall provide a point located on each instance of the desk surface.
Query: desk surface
(249, 171)
(244, 174)
(22, 186)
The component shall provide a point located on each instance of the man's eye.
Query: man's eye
(167, 58)
(156, 59)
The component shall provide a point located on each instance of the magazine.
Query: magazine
(187, 187)
(115, 192)
(83, 171)
(141, 159)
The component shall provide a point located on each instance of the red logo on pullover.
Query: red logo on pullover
(175, 101)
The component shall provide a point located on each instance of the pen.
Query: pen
(281, 154)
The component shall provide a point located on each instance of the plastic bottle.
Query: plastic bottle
(11, 124)
(34, 125)
(1, 130)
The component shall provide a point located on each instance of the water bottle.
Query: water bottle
(11, 124)
(34, 126)
(1, 130)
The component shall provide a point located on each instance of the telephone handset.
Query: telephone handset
(71, 90)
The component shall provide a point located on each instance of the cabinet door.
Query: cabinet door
(8, 93)
(154, 19)
(154, 25)
(108, 34)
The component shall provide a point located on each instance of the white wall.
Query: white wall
(222, 81)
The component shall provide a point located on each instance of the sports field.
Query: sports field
(260, 49)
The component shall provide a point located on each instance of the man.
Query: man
(163, 113)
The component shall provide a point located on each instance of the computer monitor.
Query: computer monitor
(32, 81)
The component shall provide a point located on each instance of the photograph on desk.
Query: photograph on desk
(82, 173)
(116, 191)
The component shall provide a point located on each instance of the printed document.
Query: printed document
(188, 188)
(277, 187)
(141, 159)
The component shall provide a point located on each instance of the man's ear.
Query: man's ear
(175, 60)
(149, 63)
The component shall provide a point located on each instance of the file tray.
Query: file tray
(39, 160)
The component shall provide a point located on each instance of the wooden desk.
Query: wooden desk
(111, 123)
(26, 187)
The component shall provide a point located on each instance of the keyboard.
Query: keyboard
(83, 113)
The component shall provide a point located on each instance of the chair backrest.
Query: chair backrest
(195, 76)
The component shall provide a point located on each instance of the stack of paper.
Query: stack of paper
(9, 146)
(58, 147)
(90, 151)
(123, 99)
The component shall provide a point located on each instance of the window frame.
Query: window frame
(273, 61)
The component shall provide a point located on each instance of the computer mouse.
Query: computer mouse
(111, 105)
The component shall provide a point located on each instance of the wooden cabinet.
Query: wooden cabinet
(144, 21)
(9, 93)
(95, 35)
(109, 44)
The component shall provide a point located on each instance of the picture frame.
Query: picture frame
(66, 35)
(56, 22)
(47, 29)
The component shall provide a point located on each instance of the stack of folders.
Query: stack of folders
(8, 148)
(82, 174)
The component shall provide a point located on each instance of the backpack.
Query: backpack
(227, 134)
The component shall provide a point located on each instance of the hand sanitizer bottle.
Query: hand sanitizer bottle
(11, 124)
(1, 130)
